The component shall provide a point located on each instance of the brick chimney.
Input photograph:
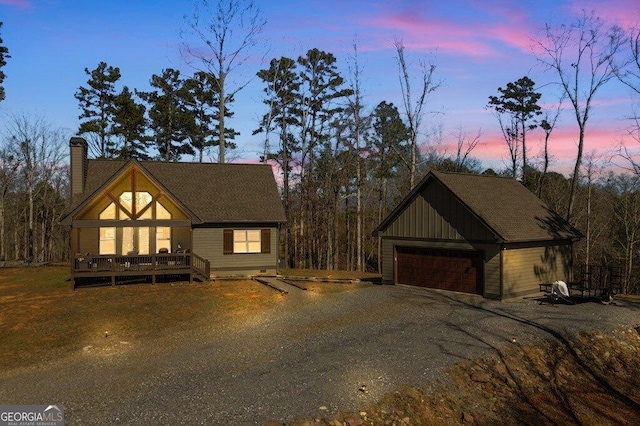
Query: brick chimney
(78, 147)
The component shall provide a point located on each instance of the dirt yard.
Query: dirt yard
(42, 318)
(590, 378)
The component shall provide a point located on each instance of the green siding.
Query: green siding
(387, 261)
(435, 218)
(436, 213)
(208, 243)
(525, 268)
(491, 271)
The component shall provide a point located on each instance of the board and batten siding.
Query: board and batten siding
(525, 268)
(436, 213)
(436, 219)
(209, 243)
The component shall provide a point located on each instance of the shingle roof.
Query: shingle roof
(215, 193)
(510, 211)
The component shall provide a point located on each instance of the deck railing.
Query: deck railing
(153, 264)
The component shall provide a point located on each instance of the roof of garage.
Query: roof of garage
(504, 205)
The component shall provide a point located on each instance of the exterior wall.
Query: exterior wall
(492, 272)
(491, 252)
(208, 243)
(89, 240)
(436, 213)
(526, 267)
(436, 219)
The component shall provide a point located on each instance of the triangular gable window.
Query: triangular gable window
(133, 197)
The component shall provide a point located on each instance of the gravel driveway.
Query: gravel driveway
(309, 355)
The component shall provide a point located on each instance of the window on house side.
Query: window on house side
(246, 241)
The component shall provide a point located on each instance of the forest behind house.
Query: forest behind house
(342, 165)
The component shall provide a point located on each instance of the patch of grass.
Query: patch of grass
(341, 275)
(328, 287)
(42, 317)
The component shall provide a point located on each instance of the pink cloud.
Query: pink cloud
(512, 35)
(482, 39)
(425, 34)
(613, 12)
(604, 140)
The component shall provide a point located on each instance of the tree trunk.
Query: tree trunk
(359, 212)
(381, 199)
(3, 242)
(546, 164)
(576, 175)
(221, 117)
(524, 154)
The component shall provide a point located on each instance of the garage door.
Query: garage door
(442, 269)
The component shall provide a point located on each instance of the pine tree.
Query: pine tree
(202, 102)
(282, 97)
(130, 125)
(169, 119)
(225, 33)
(519, 102)
(97, 103)
(4, 55)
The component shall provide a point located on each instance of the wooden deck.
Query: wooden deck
(152, 265)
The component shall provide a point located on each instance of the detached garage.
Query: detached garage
(475, 234)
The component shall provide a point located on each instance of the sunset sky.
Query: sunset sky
(476, 46)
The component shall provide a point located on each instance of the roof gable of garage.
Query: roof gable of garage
(504, 206)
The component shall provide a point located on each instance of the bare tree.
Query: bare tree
(8, 168)
(581, 55)
(355, 107)
(413, 110)
(547, 124)
(225, 33)
(630, 157)
(628, 72)
(511, 134)
(626, 219)
(591, 170)
(38, 149)
(465, 145)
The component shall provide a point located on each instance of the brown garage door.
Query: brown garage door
(441, 269)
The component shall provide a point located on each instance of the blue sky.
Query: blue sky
(476, 45)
